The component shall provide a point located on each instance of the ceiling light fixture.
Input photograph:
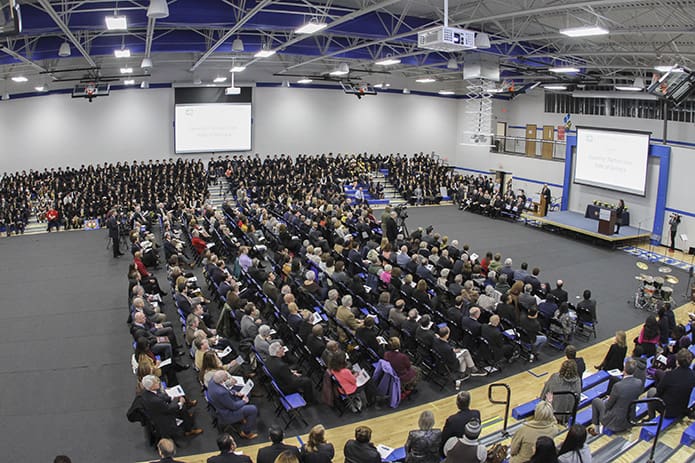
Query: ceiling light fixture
(64, 50)
(446, 92)
(237, 45)
(425, 80)
(406, 91)
(305, 81)
(627, 88)
(584, 31)
(122, 53)
(144, 84)
(264, 53)
(452, 64)
(158, 9)
(116, 23)
(5, 96)
(146, 63)
(129, 82)
(40, 88)
(341, 70)
(388, 62)
(20, 79)
(555, 87)
(126, 70)
(482, 40)
(311, 27)
(564, 70)
(237, 69)
(219, 79)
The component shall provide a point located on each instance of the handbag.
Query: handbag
(497, 454)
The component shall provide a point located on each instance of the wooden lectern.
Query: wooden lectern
(542, 207)
(606, 221)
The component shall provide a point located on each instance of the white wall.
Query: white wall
(318, 120)
(56, 130)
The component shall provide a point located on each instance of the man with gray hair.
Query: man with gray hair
(230, 406)
(526, 299)
(287, 379)
(331, 304)
(163, 411)
(166, 449)
(507, 269)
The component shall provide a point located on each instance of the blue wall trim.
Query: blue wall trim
(530, 180)
(662, 152)
(678, 211)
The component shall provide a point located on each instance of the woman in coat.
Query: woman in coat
(423, 444)
(567, 379)
(542, 424)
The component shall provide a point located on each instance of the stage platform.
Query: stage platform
(577, 226)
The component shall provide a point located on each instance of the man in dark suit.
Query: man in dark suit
(163, 411)
(492, 333)
(612, 412)
(226, 444)
(270, 453)
(166, 449)
(367, 334)
(534, 281)
(389, 227)
(288, 380)
(456, 424)
(158, 345)
(270, 289)
(675, 388)
(458, 360)
(471, 322)
(112, 225)
(559, 293)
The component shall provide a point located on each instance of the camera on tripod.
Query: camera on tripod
(402, 211)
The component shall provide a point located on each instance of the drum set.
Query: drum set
(653, 291)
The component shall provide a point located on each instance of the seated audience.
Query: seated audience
(615, 357)
(167, 450)
(612, 412)
(422, 445)
(287, 379)
(675, 388)
(466, 448)
(566, 380)
(456, 423)
(227, 447)
(317, 450)
(543, 424)
(574, 448)
(164, 412)
(270, 453)
(230, 407)
(544, 451)
(360, 449)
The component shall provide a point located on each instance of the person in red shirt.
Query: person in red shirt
(198, 243)
(52, 217)
(148, 281)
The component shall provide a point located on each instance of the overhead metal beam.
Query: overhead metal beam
(23, 59)
(229, 33)
(148, 36)
(337, 22)
(66, 30)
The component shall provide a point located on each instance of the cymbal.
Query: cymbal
(664, 269)
(672, 280)
(642, 266)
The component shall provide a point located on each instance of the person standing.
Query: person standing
(112, 225)
(673, 222)
(619, 215)
(545, 193)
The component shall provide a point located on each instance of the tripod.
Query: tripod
(402, 226)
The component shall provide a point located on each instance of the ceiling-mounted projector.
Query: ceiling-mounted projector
(445, 38)
(232, 91)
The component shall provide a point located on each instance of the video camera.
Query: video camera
(402, 211)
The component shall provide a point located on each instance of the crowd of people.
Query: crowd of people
(66, 197)
(315, 290)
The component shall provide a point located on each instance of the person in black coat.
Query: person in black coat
(288, 380)
(360, 449)
(226, 444)
(270, 453)
(367, 334)
(112, 225)
(675, 388)
(390, 228)
(163, 411)
(457, 422)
